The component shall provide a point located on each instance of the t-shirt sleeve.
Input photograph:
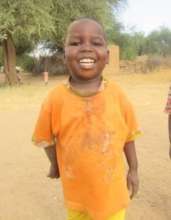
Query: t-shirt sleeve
(43, 135)
(130, 118)
(168, 103)
(131, 121)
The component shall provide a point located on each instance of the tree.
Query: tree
(65, 11)
(159, 42)
(22, 23)
(30, 19)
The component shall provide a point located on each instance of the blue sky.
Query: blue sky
(146, 15)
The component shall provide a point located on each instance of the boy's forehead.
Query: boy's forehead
(82, 26)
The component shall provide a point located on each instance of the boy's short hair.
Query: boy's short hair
(88, 19)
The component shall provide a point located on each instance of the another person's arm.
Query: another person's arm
(169, 128)
(132, 176)
(168, 111)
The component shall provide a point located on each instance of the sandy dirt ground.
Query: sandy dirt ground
(26, 192)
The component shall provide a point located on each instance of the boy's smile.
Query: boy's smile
(87, 63)
(86, 52)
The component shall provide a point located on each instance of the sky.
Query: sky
(146, 15)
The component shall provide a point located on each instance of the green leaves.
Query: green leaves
(29, 17)
(159, 42)
(65, 11)
(48, 20)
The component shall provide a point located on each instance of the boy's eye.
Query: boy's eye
(74, 43)
(97, 43)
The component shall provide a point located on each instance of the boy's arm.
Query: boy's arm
(51, 154)
(132, 176)
(169, 128)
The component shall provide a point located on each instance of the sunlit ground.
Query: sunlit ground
(25, 191)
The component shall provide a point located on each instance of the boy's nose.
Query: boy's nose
(86, 47)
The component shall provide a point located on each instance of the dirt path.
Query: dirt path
(25, 192)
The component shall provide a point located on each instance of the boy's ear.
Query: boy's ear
(107, 57)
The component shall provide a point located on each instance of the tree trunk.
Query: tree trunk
(10, 60)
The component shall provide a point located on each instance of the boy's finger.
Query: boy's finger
(52, 177)
(129, 184)
(134, 189)
(130, 188)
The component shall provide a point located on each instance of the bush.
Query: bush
(26, 62)
(154, 62)
(53, 64)
(128, 53)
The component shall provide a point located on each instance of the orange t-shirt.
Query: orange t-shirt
(91, 133)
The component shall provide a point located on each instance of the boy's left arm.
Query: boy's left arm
(132, 176)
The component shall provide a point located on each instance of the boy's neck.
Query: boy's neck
(85, 87)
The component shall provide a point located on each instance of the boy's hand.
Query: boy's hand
(51, 154)
(132, 182)
(53, 171)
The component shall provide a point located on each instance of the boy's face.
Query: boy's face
(86, 52)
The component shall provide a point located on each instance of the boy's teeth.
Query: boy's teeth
(87, 63)
(86, 60)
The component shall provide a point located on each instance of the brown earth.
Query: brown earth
(26, 193)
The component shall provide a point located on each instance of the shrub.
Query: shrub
(26, 62)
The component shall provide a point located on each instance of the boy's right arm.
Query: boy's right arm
(43, 135)
(51, 154)
(132, 176)
(169, 128)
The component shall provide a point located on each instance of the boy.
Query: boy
(93, 123)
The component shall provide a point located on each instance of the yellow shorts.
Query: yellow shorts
(75, 215)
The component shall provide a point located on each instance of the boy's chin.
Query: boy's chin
(88, 77)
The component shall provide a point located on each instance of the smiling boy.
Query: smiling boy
(92, 124)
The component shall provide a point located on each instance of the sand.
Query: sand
(26, 192)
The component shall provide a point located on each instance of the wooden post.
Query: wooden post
(113, 66)
(46, 77)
